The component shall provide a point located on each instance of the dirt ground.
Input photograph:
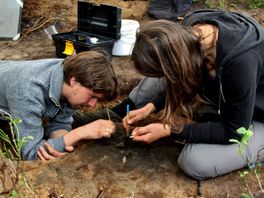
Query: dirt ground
(103, 168)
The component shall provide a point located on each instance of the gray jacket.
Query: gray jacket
(31, 91)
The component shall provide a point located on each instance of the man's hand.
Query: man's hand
(94, 130)
(98, 129)
(52, 153)
(151, 132)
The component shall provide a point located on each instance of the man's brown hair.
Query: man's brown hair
(93, 70)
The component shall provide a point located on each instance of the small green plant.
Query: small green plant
(246, 135)
(13, 144)
(10, 155)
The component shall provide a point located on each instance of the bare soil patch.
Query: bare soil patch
(102, 168)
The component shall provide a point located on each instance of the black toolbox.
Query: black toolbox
(98, 27)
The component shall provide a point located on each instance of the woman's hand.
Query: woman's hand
(98, 129)
(137, 115)
(151, 132)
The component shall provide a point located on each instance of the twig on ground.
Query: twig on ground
(29, 187)
(249, 191)
(84, 193)
(108, 114)
(100, 192)
(37, 25)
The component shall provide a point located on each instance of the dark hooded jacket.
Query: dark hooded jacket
(238, 91)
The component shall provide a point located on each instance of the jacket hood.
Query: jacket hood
(237, 34)
(246, 32)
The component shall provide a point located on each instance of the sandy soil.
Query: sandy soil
(102, 168)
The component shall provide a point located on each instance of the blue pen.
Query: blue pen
(129, 133)
(127, 110)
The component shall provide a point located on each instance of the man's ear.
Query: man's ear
(73, 81)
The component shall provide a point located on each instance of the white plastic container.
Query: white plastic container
(125, 45)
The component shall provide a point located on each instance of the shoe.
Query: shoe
(82, 118)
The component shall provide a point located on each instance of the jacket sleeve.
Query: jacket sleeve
(239, 84)
(27, 104)
(62, 120)
(159, 101)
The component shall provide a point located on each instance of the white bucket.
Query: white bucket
(124, 46)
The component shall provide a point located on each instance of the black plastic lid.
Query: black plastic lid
(104, 20)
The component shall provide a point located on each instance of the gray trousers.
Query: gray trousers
(201, 161)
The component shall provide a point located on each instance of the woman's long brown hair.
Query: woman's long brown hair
(164, 48)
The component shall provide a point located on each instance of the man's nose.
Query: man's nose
(92, 102)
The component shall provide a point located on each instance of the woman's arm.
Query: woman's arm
(239, 82)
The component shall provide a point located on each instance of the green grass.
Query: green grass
(254, 4)
(223, 4)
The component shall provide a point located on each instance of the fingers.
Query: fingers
(146, 138)
(101, 128)
(125, 123)
(128, 121)
(134, 116)
(53, 151)
(109, 130)
(138, 131)
(108, 133)
(141, 134)
(151, 132)
(69, 148)
(43, 155)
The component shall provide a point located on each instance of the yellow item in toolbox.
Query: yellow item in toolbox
(69, 48)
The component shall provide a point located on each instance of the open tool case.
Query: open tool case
(98, 27)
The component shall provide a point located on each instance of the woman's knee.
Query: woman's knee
(201, 161)
(194, 166)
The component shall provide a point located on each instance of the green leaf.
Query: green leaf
(4, 136)
(244, 141)
(241, 130)
(30, 137)
(21, 183)
(244, 195)
(17, 121)
(247, 135)
(243, 174)
(14, 194)
(234, 141)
